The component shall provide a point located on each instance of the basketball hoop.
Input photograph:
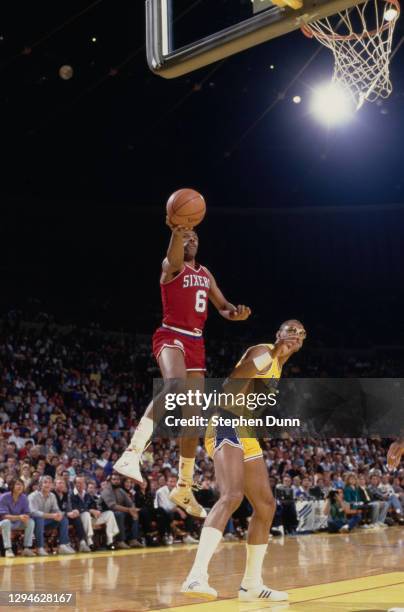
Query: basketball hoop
(361, 41)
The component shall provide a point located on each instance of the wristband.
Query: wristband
(262, 362)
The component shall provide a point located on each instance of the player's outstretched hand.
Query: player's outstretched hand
(177, 229)
(240, 313)
(394, 455)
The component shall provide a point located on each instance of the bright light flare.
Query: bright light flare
(331, 104)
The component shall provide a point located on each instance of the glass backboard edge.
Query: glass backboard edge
(232, 40)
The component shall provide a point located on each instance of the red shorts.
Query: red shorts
(193, 347)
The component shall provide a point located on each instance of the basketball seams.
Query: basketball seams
(194, 211)
(175, 208)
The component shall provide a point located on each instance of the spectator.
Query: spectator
(399, 490)
(378, 496)
(319, 490)
(45, 512)
(72, 470)
(64, 502)
(15, 514)
(377, 508)
(126, 514)
(391, 497)
(128, 487)
(25, 475)
(336, 510)
(174, 513)
(303, 493)
(16, 437)
(284, 495)
(102, 516)
(148, 514)
(352, 497)
(105, 462)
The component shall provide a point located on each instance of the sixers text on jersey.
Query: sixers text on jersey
(185, 300)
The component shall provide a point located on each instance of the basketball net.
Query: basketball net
(361, 40)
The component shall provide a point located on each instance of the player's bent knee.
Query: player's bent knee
(265, 509)
(232, 500)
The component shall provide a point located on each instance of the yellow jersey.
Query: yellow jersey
(250, 446)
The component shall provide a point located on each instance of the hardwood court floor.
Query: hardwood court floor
(362, 571)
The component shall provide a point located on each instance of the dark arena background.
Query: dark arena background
(304, 221)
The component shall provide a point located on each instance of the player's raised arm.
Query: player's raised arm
(225, 308)
(174, 260)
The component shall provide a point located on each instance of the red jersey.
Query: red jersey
(185, 300)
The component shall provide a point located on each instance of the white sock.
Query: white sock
(142, 434)
(208, 542)
(253, 569)
(186, 470)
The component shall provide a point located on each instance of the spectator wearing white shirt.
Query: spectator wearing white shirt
(17, 438)
(162, 500)
(391, 497)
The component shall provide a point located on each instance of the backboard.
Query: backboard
(184, 35)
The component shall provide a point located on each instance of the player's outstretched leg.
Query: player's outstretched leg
(129, 462)
(259, 494)
(174, 373)
(173, 369)
(182, 494)
(229, 470)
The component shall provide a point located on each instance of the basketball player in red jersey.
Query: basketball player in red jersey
(178, 346)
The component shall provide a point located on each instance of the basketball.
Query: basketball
(66, 72)
(186, 207)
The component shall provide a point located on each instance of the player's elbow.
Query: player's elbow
(172, 263)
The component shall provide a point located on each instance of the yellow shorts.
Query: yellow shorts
(250, 446)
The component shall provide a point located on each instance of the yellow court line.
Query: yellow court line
(353, 592)
(96, 555)
(121, 553)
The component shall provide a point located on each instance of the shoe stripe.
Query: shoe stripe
(192, 585)
(265, 594)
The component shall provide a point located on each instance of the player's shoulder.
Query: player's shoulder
(256, 350)
(205, 269)
(261, 347)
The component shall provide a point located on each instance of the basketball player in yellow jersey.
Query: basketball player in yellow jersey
(240, 470)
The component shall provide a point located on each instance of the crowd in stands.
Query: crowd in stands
(69, 402)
